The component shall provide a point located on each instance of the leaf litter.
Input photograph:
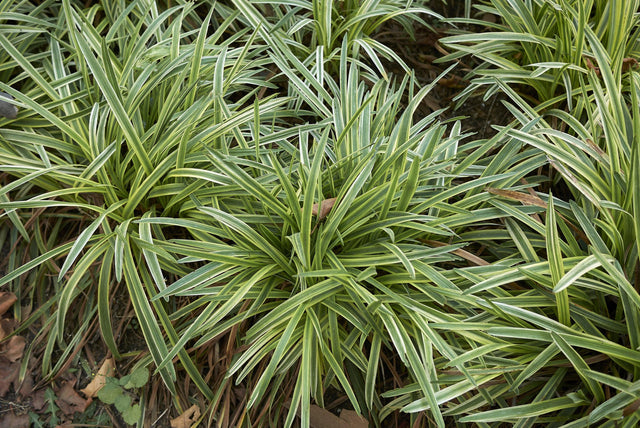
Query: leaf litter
(12, 348)
(11, 353)
(69, 401)
(322, 418)
(323, 209)
(187, 419)
(107, 369)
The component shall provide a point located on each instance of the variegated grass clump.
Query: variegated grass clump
(248, 178)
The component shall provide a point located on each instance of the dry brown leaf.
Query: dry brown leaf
(321, 418)
(595, 147)
(106, 369)
(628, 63)
(518, 196)
(26, 388)
(7, 299)
(186, 419)
(631, 408)
(14, 349)
(324, 208)
(8, 373)
(460, 252)
(352, 419)
(489, 17)
(69, 401)
(590, 65)
(478, 261)
(7, 326)
(38, 399)
(10, 420)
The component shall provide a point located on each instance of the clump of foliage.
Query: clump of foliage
(283, 223)
(546, 48)
(326, 27)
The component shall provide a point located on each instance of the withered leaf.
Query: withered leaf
(106, 369)
(628, 63)
(9, 420)
(631, 408)
(478, 261)
(7, 299)
(489, 17)
(352, 419)
(8, 373)
(518, 196)
(324, 208)
(590, 65)
(595, 147)
(25, 389)
(321, 418)
(470, 257)
(187, 419)
(14, 349)
(69, 401)
(38, 399)
(7, 326)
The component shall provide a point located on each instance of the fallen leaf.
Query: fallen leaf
(353, 419)
(26, 388)
(321, 418)
(460, 252)
(489, 17)
(525, 199)
(631, 408)
(14, 349)
(38, 399)
(7, 299)
(107, 369)
(628, 63)
(7, 326)
(8, 373)
(186, 419)
(324, 208)
(68, 399)
(10, 420)
(453, 83)
(590, 65)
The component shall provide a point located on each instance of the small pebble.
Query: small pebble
(7, 110)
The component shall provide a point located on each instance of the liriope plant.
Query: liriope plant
(328, 27)
(568, 296)
(542, 48)
(104, 119)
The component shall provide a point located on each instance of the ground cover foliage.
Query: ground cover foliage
(240, 197)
